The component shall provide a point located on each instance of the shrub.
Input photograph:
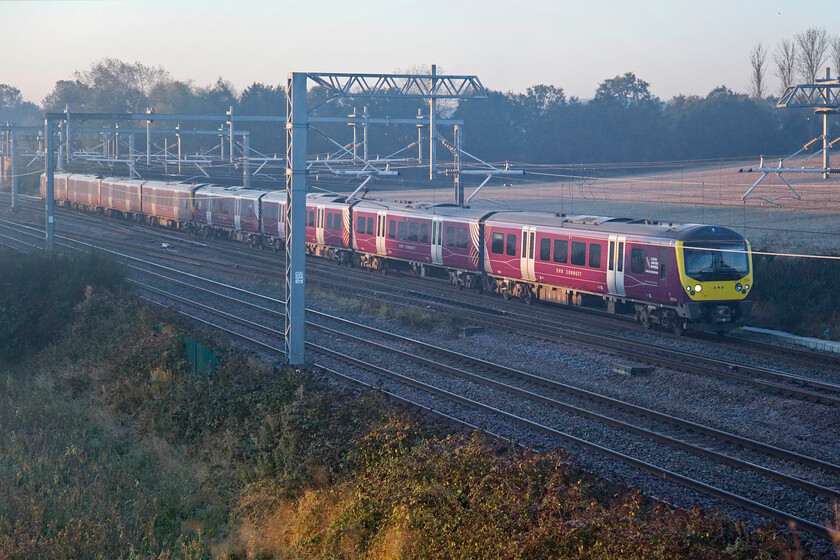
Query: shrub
(797, 294)
(38, 295)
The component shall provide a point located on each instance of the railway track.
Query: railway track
(810, 474)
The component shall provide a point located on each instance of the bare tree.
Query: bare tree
(813, 45)
(835, 54)
(785, 59)
(758, 61)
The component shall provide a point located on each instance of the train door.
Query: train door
(381, 231)
(615, 265)
(208, 212)
(526, 260)
(237, 212)
(437, 240)
(319, 225)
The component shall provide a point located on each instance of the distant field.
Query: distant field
(701, 194)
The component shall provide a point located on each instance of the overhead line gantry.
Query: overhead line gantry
(824, 97)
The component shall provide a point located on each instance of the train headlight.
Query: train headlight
(698, 288)
(688, 288)
(738, 287)
(747, 287)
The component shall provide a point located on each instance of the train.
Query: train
(677, 276)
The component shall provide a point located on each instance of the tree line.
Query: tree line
(623, 122)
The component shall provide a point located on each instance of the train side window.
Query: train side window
(360, 225)
(424, 233)
(620, 264)
(594, 255)
(329, 221)
(578, 253)
(413, 231)
(498, 244)
(392, 229)
(450, 236)
(610, 250)
(561, 250)
(662, 255)
(637, 261)
(545, 249)
(524, 244)
(402, 229)
(510, 248)
(370, 226)
(463, 237)
(311, 220)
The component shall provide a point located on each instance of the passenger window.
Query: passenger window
(594, 255)
(545, 249)
(402, 229)
(392, 229)
(463, 236)
(578, 253)
(311, 221)
(561, 250)
(329, 221)
(637, 261)
(498, 244)
(370, 226)
(510, 247)
(413, 229)
(424, 233)
(360, 225)
(450, 236)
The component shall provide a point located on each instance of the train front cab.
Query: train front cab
(716, 276)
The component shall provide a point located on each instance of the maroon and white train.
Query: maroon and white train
(671, 274)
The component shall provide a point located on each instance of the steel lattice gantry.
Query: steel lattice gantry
(337, 86)
(824, 97)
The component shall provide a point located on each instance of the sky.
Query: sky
(677, 47)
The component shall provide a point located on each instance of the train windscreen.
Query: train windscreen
(710, 262)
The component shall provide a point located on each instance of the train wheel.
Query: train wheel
(678, 329)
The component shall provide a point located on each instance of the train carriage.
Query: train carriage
(59, 186)
(272, 215)
(391, 232)
(230, 211)
(83, 191)
(168, 203)
(121, 195)
(327, 234)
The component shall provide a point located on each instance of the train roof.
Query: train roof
(422, 208)
(627, 226)
(123, 180)
(170, 186)
(222, 191)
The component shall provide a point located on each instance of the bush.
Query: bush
(797, 295)
(38, 295)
